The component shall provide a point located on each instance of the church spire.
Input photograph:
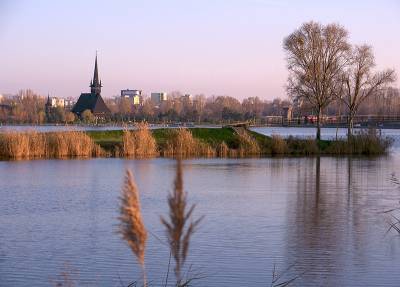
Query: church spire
(95, 84)
(96, 72)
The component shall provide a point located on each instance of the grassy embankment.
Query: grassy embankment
(228, 142)
(194, 142)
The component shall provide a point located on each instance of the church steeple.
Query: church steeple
(95, 84)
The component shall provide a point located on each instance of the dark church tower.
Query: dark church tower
(92, 101)
(95, 84)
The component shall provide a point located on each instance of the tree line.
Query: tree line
(29, 108)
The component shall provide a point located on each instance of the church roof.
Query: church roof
(92, 102)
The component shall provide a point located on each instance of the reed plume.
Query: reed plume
(131, 226)
(178, 228)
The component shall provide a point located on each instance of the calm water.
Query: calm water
(57, 128)
(321, 214)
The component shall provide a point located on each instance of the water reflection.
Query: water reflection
(327, 219)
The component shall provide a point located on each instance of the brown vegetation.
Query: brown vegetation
(179, 227)
(247, 144)
(139, 143)
(21, 145)
(131, 225)
(278, 145)
(362, 143)
(181, 143)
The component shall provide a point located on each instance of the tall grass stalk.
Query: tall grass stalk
(180, 226)
(132, 227)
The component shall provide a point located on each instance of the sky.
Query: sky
(213, 47)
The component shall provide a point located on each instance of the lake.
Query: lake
(322, 216)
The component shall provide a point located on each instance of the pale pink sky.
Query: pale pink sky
(215, 47)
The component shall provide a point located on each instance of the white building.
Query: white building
(69, 103)
(57, 102)
(159, 97)
(135, 95)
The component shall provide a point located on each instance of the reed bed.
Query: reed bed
(139, 143)
(27, 145)
(278, 145)
(247, 144)
(367, 142)
(223, 150)
(181, 143)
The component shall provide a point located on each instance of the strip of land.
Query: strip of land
(252, 143)
(180, 142)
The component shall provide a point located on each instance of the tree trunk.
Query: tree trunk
(349, 125)
(319, 124)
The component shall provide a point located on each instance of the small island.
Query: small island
(143, 142)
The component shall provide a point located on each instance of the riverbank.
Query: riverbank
(188, 142)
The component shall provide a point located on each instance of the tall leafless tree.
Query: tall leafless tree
(316, 55)
(360, 82)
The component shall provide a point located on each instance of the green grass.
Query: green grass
(106, 136)
(212, 136)
(215, 136)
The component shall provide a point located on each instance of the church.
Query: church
(92, 101)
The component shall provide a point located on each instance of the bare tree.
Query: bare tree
(360, 82)
(316, 55)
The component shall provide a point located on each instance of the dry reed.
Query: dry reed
(131, 226)
(181, 143)
(278, 145)
(21, 145)
(145, 143)
(139, 143)
(128, 143)
(177, 228)
(223, 150)
(247, 144)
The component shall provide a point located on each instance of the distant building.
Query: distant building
(92, 101)
(187, 98)
(69, 103)
(134, 95)
(1, 98)
(157, 98)
(56, 102)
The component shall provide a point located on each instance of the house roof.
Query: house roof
(92, 102)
